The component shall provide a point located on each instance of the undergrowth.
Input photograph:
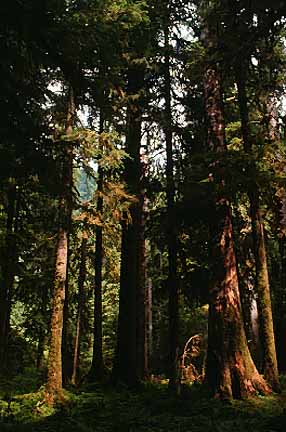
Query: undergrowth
(152, 409)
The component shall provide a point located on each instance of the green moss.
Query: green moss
(153, 409)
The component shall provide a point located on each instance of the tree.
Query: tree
(230, 370)
(54, 376)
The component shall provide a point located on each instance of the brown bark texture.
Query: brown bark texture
(230, 370)
(172, 282)
(127, 365)
(270, 367)
(80, 306)
(54, 373)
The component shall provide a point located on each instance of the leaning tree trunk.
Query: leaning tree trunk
(8, 274)
(174, 373)
(270, 367)
(230, 370)
(126, 364)
(54, 373)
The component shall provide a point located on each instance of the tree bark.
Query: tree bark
(230, 370)
(172, 282)
(81, 300)
(281, 313)
(96, 372)
(42, 337)
(126, 362)
(54, 375)
(270, 367)
(67, 349)
(8, 273)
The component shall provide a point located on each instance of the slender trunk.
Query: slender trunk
(81, 299)
(126, 359)
(54, 375)
(142, 346)
(149, 328)
(174, 373)
(281, 310)
(262, 279)
(97, 366)
(66, 336)
(42, 337)
(8, 273)
(230, 371)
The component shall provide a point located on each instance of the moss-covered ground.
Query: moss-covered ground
(151, 409)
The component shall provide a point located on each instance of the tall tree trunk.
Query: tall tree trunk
(262, 279)
(81, 299)
(230, 371)
(97, 366)
(126, 359)
(67, 355)
(148, 325)
(174, 373)
(281, 312)
(54, 375)
(8, 273)
(42, 337)
(142, 345)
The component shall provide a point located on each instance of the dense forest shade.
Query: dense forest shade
(142, 202)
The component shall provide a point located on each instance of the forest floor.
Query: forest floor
(94, 409)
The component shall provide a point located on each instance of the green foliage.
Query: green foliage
(151, 410)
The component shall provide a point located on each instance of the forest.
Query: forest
(143, 215)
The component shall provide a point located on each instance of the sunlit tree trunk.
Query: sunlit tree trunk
(270, 368)
(230, 370)
(54, 373)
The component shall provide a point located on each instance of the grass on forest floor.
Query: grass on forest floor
(151, 410)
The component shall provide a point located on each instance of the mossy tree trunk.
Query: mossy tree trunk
(270, 367)
(54, 373)
(230, 370)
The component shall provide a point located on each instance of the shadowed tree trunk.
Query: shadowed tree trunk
(97, 366)
(142, 345)
(174, 373)
(54, 373)
(270, 368)
(126, 364)
(81, 300)
(67, 355)
(42, 339)
(281, 312)
(8, 272)
(230, 370)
